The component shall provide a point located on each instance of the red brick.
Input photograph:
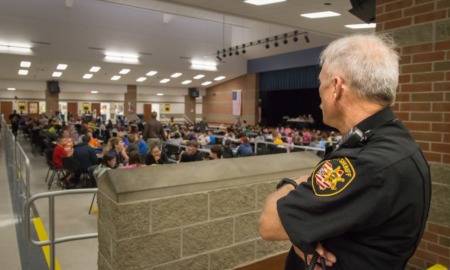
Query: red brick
(427, 96)
(441, 5)
(444, 241)
(423, 107)
(416, 87)
(424, 146)
(388, 16)
(441, 86)
(404, 116)
(427, 256)
(379, 9)
(424, 1)
(440, 147)
(428, 77)
(414, 68)
(431, 117)
(430, 237)
(397, 5)
(446, 160)
(429, 57)
(426, 136)
(397, 23)
(438, 229)
(438, 249)
(442, 45)
(418, 9)
(418, 126)
(404, 78)
(443, 261)
(441, 107)
(433, 157)
(447, 76)
(382, 2)
(428, 47)
(405, 59)
(403, 97)
(396, 107)
(420, 263)
(430, 17)
(440, 127)
(446, 117)
(441, 66)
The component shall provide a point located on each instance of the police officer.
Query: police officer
(365, 204)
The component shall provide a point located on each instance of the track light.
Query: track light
(236, 50)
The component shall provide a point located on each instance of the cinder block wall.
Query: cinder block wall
(201, 215)
(421, 28)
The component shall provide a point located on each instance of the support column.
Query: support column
(130, 102)
(51, 102)
(189, 107)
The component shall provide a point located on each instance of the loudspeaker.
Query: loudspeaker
(53, 86)
(193, 92)
(364, 10)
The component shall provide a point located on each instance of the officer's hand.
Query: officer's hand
(329, 257)
(301, 179)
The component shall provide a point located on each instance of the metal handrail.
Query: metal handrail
(24, 181)
(51, 205)
(288, 146)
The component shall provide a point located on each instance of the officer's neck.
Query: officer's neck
(355, 112)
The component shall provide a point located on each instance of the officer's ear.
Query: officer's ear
(338, 84)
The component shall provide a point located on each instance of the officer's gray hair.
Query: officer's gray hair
(368, 62)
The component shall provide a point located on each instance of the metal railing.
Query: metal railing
(52, 241)
(22, 170)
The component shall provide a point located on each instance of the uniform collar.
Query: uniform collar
(383, 116)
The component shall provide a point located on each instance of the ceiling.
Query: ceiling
(166, 36)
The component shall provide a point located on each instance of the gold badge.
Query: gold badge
(332, 176)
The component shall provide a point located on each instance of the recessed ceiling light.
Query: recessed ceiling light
(57, 74)
(219, 78)
(15, 48)
(186, 82)
(61, 67)
(124, 71)
(121, 57)
(176, 75)
(151, 73)
(199, 76)
(361, 26)
(11, 89)
(316, 15)
(87, 76)
(206, 83)
(263, 2)
(203, 65)
(164, 81)
(141, 79)
(160, 94)
(23, 72)
(25, 64)
(94, 92)
(115, 78)
(94, 69)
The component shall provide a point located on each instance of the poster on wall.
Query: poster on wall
(236, 102)
(166, 108)
(33, 107)
(86, 107)
(131, 108)
(22, 105)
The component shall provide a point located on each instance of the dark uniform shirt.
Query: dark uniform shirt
(366, 203)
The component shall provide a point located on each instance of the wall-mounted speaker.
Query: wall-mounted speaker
(364, 10)
(53, 86)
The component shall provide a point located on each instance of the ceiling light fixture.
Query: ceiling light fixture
(186, 82)
(164, 80)
(118, 57)
(25, 64)
(11, 89)
(263, 2)
(115, 78)
(61, 67)
(361, 26)
(141, 79)
(176, 75)
(266, 42)
(15, 48)
(207, 83)
(23, 72)
(202, 65)
(57, 74)
(219, 78)
(124, 71)
(151, 73)
(159, 94)
(94, 69)
(199, 76)
(94, 92)
(87, 76)
(317, 15)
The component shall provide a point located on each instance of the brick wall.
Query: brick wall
(421, 28)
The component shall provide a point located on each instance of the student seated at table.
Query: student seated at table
(244, 149)
(118, 150)
(108, 163)
(134, 160)
(156, 156)
(227, 150)
(216, 152)
(133, 143)
(191, 153)
(87, 157)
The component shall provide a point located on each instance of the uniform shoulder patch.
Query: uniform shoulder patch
(332, 176)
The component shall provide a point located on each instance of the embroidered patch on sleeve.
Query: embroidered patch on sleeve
(332, 176)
